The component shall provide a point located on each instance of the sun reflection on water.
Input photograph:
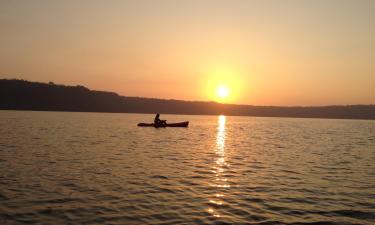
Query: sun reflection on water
(219, 168)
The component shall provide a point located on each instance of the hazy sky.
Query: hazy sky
(266, 52)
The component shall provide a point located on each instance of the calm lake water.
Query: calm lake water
(60, 167)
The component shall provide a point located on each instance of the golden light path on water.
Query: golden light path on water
(219, 167)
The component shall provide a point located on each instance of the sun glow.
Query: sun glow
(223, 83)
(222, 92)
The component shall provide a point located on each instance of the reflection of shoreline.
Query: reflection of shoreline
(219, 167)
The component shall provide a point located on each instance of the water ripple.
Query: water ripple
(83, 168)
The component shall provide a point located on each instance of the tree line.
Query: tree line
(18, 94)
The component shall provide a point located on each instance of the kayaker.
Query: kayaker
(158, 122)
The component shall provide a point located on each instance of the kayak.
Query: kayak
(182, 124)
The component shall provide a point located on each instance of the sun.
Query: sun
(222, 84)
(222, 92)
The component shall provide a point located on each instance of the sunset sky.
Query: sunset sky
(265, 52)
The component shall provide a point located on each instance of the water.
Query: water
(58, 168)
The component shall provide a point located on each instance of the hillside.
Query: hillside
(26, 95)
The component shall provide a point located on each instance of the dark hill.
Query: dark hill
(25, 95)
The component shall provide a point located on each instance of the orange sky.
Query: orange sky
(264, 52)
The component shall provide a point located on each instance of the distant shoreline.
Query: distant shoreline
(34, 96)
(285, 117)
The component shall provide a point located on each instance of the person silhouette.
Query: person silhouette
(158, 122)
